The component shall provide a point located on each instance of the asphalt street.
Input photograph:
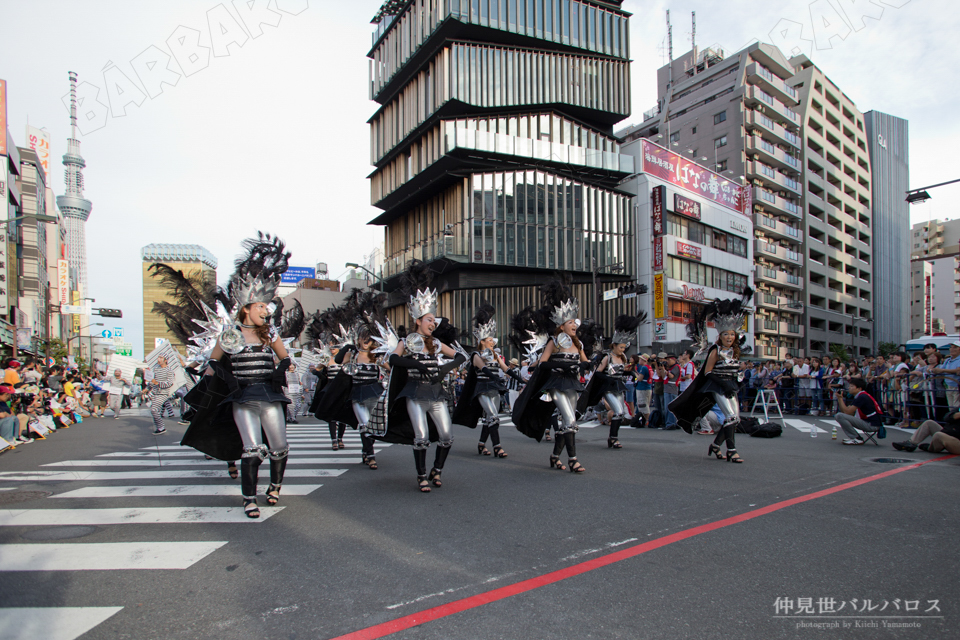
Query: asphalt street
(107, 531)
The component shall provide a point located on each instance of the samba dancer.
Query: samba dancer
(483, 386)
(718, 382)
(557, 375)
(416, 362)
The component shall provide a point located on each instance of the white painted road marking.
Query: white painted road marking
(104, 556)
(800, 425)
(216, 474)
(162, 491)
(154, 515)
(51, 623)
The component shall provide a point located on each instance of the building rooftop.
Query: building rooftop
(178, 253)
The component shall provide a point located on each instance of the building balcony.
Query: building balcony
(776, 304)
(757, 98)
(768, 153)
(763, 78)
(773, 327)
(775, 229)
(772, 179)
(778, 278)
(757, 121)
(776, 253)
(773, 203)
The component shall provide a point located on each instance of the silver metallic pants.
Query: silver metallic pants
(617, 404)
(566, 403)
(363, 411)
(731, 417)
(418, 410)
(490, 403)
(251, 418)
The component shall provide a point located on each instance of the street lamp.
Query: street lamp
(616, 268)
(917, 196)
(790, 304)
(376, 278)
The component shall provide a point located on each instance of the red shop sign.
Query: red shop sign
(658, 253)
(677, 170)
(657, 198)
(688, 250)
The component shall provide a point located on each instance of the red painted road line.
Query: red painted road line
(472, 602)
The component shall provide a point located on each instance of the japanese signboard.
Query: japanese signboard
(677, 170)
(688, 251)
(39, 141)
(63, 281)
(293, 275)
(659, 297)
(656, 199)
(658, 253)
(76, 318)
(686, 207)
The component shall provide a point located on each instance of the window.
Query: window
(693, 131)
(721, 166)
(720, 117)
(675, 137)
(720, 142)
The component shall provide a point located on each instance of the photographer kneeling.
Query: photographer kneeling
(862, 413)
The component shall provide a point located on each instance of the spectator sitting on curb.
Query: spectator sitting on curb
(863, 413)
(930, 428)
(9, 424)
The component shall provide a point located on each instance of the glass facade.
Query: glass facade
(543, 136)
(568, 22)
(516, 219)
(491, 77)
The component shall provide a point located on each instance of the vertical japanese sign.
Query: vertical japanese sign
(3, 122)
(656, 200)
(658, 253)
(679, 171)
(39, 141)
(659, 302)
(63, 281)
(3, 257)
(76, 318)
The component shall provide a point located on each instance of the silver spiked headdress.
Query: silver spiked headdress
(625, 328)
(484, 325)
(422, 303)
(567, 310)
(728, 315)
(248, 289)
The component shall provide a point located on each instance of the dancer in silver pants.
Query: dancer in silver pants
(254, 418)
(730, 408)
(616, 404)
(436, 409)
(566, 403)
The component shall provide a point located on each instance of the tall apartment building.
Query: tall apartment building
(934, 239)
(888, 142)
(189, 258)
(31, 281)
(935, 296)
(738, 115)
(494, 149)
(837, 207)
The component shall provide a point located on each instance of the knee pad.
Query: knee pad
(279, 454)
(257, 451)
(421, 445)
(446, 444)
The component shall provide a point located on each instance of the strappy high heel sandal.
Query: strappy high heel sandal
(340, 444)
(250, 508)
(613, 443)
(435, 477)
(423, 484)
(370, 461)
(334, 445)
(555, 462)
(499, 452)
(714, 450)
(575, 466)
(273, 494)
(733, 456)
(482, 450)
(232, 470)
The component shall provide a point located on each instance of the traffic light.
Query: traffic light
(633, 288)
(109, 313)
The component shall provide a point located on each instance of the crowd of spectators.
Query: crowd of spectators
(36, 400)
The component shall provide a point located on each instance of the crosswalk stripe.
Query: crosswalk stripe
(181, 462)
(51, 623)
(196, 454)
(217, 474)
(162, 491)
(802, 426)
(153, 515)
(104, 556)
(325, 446)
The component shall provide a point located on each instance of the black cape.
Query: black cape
(399, 429)
(531, 415)
(334, 403)
(468, 411)
(593, 393)
(322, 380)
(212, 430)
(694, 403)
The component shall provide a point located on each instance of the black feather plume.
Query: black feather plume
(484, 314)
(294, 321)
(627, 323)
(590, 334)
(188, 293)
(264, 256)
(416, 277)
(445, 332)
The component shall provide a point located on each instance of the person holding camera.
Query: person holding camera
(862, 413)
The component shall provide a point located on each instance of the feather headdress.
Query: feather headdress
(559, 301)
(625, 328)
(415, 282)
(484, 324)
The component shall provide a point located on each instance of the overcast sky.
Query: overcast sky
(272, 134)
